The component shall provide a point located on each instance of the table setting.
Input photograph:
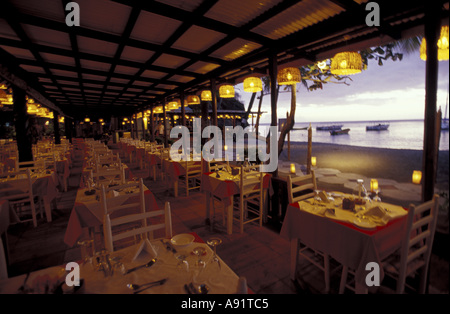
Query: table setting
(184, 264)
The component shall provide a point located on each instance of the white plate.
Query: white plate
(182, 239)
(363, 223)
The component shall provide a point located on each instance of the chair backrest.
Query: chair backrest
(145, 231)
(302, 187)
(251, 180)
(138, 203)
(418, 241)
(110, 173)
(213, 165)
(18, 186)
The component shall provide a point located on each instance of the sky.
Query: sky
(394, 91)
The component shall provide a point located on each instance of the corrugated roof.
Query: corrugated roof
(128, 55)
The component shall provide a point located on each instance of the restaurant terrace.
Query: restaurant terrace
(89, 93)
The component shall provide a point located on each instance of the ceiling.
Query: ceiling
(128, 55)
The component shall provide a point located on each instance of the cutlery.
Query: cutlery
(134, 286)
(149, 264)
(143, 289)
(169, 246)
(201, 289)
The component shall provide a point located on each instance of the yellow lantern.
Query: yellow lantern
(443, 46)
(373, 185)
(289, 76)
(193, 100)
(313, 161)
(226, 91)
(292, 169)
(416, 177)
(252, 84)
(346, 63)
(206, 95)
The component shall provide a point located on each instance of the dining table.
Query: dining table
(224, 185)
(353, 237)
(177, 264)
(87, 211)
(44, 185)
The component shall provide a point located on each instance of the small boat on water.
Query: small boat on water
(330, 127)
(339, 132)
(378, 127)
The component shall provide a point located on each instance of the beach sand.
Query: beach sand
(394, 164)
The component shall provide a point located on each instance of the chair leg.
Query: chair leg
(343, 279)
(326, 262)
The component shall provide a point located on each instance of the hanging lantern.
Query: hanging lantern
(373, 185)
(226, 91)
(158, 109)
(416, 177)
(443, 46)
(289, 76)
(346, 63)
(87, 120)
(313, 161)
(206, 95)
(252, 85)
(193, 100)
(172, 105)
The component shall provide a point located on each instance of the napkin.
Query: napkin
(378, 215)
(113, 193)
(145, 250)
(323, 196)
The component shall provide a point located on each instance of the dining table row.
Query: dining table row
(127, 240)
(180, 263)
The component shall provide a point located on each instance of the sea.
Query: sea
(401, 134)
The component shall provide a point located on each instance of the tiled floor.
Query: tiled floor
(259, 254)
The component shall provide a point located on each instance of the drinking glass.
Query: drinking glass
(214, 242)
(376, 198)
(87, 250)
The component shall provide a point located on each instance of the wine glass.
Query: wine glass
(87, 252)
(317, 198)
(199, 251)
(214, 242)
(376, 198)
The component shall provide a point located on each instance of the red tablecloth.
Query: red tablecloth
(349, 245)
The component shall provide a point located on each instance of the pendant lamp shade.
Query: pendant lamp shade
(226, 91)
(443, 46)
(289, 76)
(346, 63)
(206, 95)
(253, 85)
(158, 109)
(193, 100)
(172, 105)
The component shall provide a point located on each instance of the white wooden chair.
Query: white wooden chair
(251, 187)
(301, 188)
(19, 193)
(143, 229)
(103, 174)
(413, 257)
(191, 180)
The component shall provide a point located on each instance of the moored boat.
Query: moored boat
(330, 127)
(340, 132)
(378, 127)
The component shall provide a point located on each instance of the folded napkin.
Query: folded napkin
(378, 215)
(145, 250)
(113, 193)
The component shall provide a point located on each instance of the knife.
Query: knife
(153, 261)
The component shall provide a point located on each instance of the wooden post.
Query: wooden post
(432, 27)
(273, 68)
(24, 132)
(308, 158)
(183, 109)
(289, 139)
(56, 128)
(214, 101)
(166, 140)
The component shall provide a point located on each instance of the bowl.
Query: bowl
(182, 239)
